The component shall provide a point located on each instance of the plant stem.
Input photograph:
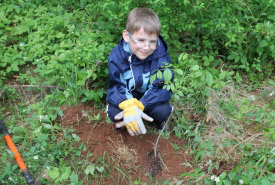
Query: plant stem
(155, 148)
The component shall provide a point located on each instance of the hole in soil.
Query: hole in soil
(154, 163)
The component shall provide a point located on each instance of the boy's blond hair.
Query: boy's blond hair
(143, 18)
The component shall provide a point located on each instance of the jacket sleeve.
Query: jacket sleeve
(117, 91)
(156, 93)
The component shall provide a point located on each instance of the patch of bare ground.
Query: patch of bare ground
(133, 155)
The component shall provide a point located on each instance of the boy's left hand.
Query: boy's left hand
(122, 123)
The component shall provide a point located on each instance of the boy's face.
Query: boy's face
(141, 43)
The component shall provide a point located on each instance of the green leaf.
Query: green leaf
(153, 77)
(38, 130)
(231, 175)
(48, 126)
(206, 63)
(178, 71)
(195, 68)
(17, 9)
(183, 56)
(209, 79)
(226, 182)
(10, 8)
(205, 58)
(172, 87)
(66, 174)
(260, 50)
(67, 93)
(223, 175)
(265, 182)
(15, 67)
(90, 170)
(60, 35)
(222, 75)
(53, 173)
(236, 59)
(263, 43)
(255, 182)
(74, 177)
(159, 75)
(100, 169)
(167, 75)
(272, 177)
(211, 58)
(231, 57)
(244, 60)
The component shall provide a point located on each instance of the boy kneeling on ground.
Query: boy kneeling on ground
(140, 53)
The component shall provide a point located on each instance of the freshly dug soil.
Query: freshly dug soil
(135, 154)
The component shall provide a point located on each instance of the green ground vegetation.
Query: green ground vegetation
(223, 57)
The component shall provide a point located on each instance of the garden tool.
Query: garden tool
(19, 160)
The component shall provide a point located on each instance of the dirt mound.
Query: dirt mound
(133, 154)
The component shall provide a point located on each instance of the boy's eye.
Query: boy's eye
(153, 42)
(140, 40)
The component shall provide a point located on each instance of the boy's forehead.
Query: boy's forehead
(142, 33)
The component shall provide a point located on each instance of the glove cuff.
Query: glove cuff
(140, 105)
(131, 102)
(127, 103)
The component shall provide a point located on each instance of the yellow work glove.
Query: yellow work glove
(132, 116)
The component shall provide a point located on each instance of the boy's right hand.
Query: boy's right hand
(132, 115)
(122, 124)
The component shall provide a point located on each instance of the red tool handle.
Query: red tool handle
(17, 156)
(19, 160)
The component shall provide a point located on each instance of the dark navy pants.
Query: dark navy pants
(159, 112)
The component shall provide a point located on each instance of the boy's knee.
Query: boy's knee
(161, 112)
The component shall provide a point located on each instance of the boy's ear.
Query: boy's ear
(126, 36)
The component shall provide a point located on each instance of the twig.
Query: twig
(32, 100)
(247, 8)
(36, 86)
(2, 92)
(165, 166)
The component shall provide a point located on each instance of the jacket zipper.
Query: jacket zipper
(130, 60)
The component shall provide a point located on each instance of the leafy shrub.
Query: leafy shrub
(55, 47)
(69, 42)
(238, 34)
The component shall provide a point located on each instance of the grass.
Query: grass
(234, 136)
(125, 157)
(42, 143)
(51, 151)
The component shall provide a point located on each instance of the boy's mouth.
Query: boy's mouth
(144, 53)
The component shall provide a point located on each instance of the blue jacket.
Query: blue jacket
(129, 77)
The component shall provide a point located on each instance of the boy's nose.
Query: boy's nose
(146, 46)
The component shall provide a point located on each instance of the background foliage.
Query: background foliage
(212, 43)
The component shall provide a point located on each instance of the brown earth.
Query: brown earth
(133, 155)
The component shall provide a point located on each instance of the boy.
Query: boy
(140, 53)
